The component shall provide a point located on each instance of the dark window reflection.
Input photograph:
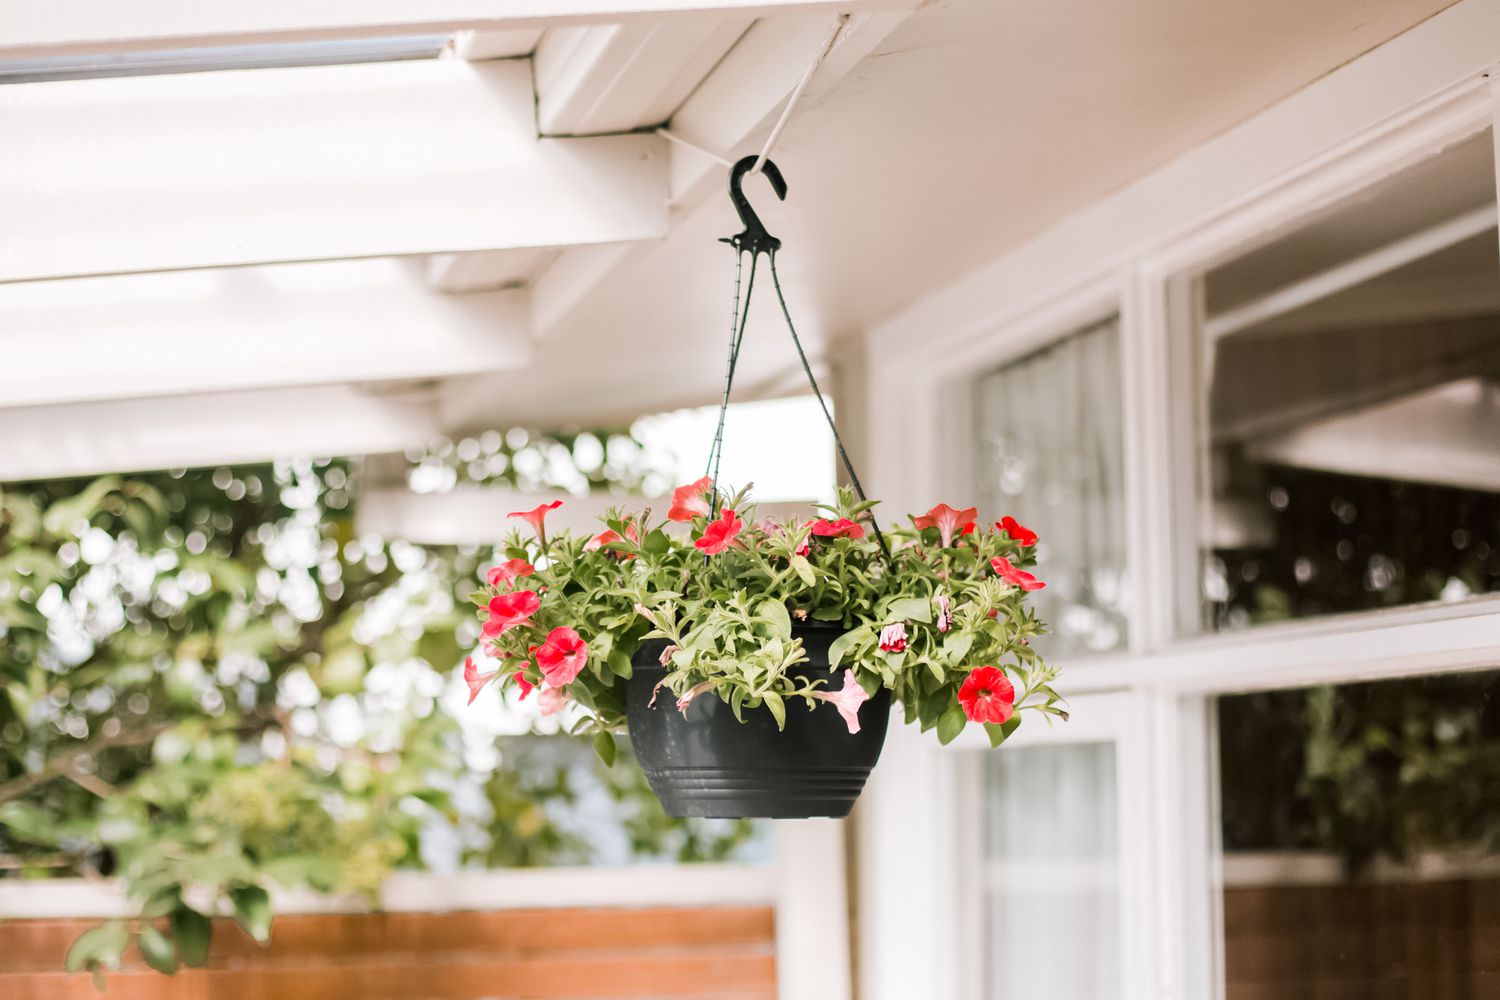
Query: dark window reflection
(1361, 832)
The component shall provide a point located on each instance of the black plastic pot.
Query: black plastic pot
(708, 763)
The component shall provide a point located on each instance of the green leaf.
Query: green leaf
(998, 732)
(157, 950)
(252, 911)
(192, 932)
(774, 611)
(100, 945)
(956, 646)
(777, 707)
(61, 516)
(951, 723)
(619, 663)
(843, 643)
(828, 613)
(803, 569)
(604, 746)
(917, 609)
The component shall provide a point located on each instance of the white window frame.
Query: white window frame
(916, 918)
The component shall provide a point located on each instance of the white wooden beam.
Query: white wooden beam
(286, 324)
(76, 26)
(617, 77)
(78, 439)
(257, 166)
(1331, 281)
(476, 45)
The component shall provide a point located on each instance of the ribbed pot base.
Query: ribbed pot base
(708, 763)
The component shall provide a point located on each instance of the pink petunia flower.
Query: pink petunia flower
(718, 534)
(1018, 532)
(525, 685)
(552, 700)
(537, 518)
(689, 502)
(945, 613)
(947, 521)
(475, 679)
(502, 575)
(842, 528)
(1013, 576)
(509, 610)
(561, 657)
(893, 638)
(847, 700)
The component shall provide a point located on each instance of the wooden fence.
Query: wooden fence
(722, 952)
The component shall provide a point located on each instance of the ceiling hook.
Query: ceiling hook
(754, 239)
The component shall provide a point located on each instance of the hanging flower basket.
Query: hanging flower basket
(754, 661)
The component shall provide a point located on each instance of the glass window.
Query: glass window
(1361, 833)
(1352, 371)
(1051, 456)
(1051, 873)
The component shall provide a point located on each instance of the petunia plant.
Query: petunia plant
(935, 611)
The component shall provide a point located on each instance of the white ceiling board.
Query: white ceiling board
(285, 324)
(971, 127)
(256, 166)
(81, 26)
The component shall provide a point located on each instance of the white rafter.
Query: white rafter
(287, 324)
(78, 26)
(256, 166)
(76, 439)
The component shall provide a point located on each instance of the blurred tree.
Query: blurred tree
(209, 686)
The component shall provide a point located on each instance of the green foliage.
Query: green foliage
(726, 616)
(175, 652)
(1387, 769)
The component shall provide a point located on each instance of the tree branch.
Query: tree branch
(63, 764)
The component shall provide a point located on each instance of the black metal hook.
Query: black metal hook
(754, 239)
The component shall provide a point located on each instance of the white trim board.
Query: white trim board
(421, 892)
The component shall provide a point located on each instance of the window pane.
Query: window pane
(1050, 455)
(1361, 831)
(1353, 374)
(1051, 873)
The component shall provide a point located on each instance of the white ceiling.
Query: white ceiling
(974, 125)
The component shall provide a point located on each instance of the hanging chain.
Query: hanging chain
(736, 337)
(859, 489)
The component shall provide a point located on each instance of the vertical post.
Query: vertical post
(812, 911)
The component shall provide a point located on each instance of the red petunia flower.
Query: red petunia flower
(842, 528)
(509, 610)
(1018, 532)
(475, 679)
(893, 638)
(502, 575)
(562, 656)
(537, 518)
(523, 684)
(718, 534)
(987, 695)
(1015, 577)
(947, 521)
(689, 501)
